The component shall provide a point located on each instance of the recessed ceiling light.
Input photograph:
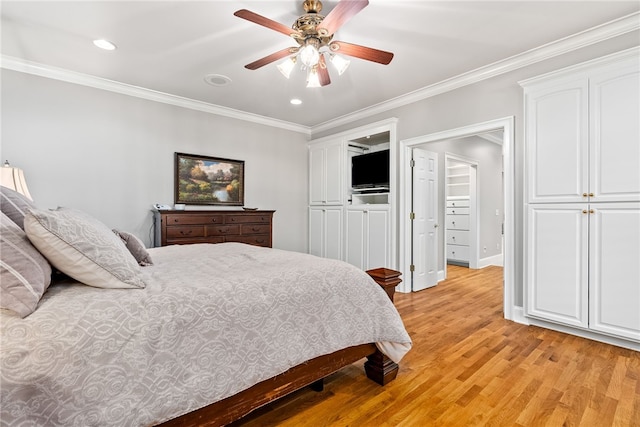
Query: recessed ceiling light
(104, 44)
(217, 79)
(296, 101)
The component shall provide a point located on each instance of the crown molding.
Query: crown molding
(42, 70)
(559, 47)
(597, 34)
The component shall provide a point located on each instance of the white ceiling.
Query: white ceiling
(170, 46)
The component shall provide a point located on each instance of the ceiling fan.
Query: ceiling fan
(314, 33)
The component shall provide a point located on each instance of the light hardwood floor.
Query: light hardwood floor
(470, 367)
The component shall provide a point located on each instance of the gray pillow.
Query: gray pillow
(24, 273)
(136, 247)
(84, 248)
(14, 205)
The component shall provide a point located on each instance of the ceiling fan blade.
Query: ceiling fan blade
(340, 14)
(323, 72)
(362, 52)
(265, 22)
(271, 58)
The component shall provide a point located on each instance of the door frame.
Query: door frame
(506, 125)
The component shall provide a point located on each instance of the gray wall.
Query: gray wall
(490, 99)
(112, 155)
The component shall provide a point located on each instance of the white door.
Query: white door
(333, 232)
(614, 276)
(557, 134)
(377, 238)
(557, 263)
(425, 223)
(355, 223)
(614, 134)
(316, 231)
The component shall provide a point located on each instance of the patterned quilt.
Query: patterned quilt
(212, 321)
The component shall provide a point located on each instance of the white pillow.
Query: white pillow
(83, 247)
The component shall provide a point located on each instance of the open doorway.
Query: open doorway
(503, 126)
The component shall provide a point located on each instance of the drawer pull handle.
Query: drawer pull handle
(259, 240)
(453, 237)
(453, 211)
(214, 219)
(185, 233)
(255, 229)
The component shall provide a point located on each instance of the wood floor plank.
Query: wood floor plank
(471, 367)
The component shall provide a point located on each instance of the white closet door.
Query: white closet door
(615, 269)
(615, 134)
(425, 208)
(557, 142)
(557, 263)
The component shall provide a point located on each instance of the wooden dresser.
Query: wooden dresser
(182, 227)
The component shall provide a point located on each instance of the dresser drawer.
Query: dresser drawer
(193, 219)
(457, 211)
(457, 222)
(238, 219)
(457, 237)
(255, 229)
(190, 240)
(458, 253)
(254, 239)
(222, 230)
(457, 203)
(185, 231)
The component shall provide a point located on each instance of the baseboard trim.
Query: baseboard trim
(497, 260)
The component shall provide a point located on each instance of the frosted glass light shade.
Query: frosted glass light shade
(312, 78)
(13, 178)
(286, 66)
(309, 55)
(340, 63)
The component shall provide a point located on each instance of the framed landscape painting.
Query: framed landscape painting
(203, 180)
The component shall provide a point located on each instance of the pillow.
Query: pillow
(14, 205)
(82, 247)
(136, 247)
(24, 273)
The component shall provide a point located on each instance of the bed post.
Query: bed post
(379, 367)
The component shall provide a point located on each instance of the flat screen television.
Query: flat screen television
(370, 170)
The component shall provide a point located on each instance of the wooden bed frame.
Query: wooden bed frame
(378, 368)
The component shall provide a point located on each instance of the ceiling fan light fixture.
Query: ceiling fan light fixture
(286, 66)
(340, 63)
(309, 54)
(312, 78)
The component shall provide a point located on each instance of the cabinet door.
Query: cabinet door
(615, 133)
(556, 129)
(316, 175)
(356, 232)
(377, 243)
(557, 263)
(316, 232)
(325, 232)
(326, 173)
(334, 172)
(333, 233)
(615, 269)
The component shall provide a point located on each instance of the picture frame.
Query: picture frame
(205, 180)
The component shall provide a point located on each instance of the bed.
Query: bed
(216, 331)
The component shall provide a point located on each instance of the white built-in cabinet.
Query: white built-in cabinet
(343, 224)
(582, 131)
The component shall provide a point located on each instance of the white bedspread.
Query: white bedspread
(213, 320)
